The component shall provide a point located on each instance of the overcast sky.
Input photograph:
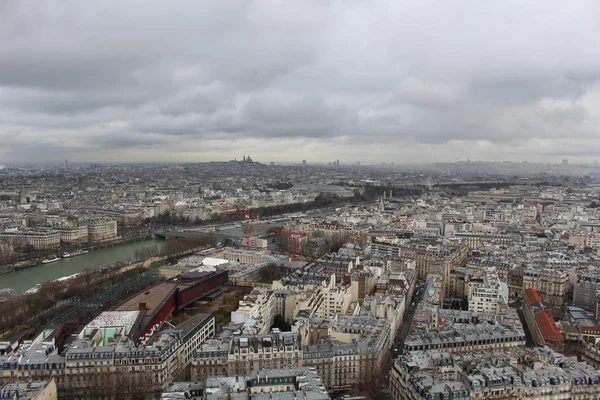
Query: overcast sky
(403, 81)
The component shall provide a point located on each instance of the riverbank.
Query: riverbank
(24, 279)
(4, 269)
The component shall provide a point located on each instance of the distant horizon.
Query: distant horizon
(292, 163)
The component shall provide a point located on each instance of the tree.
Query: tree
(28, 249)
(280, 323)
(122, 384)
(271, 272)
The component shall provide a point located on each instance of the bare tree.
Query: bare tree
(122, 384)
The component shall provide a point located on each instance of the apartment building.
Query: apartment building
(256, 311)
(241, 353)
(340, 266)
(102, 231)
(387, 306)
(244, 256)
(335, 299)
(551, 283)
(293, 301)
(540, 322)
(462, 338)
(40, 240)
(585, 295)
(276, 384)
(383, 249)
(523, 373)
(73, 235)
(345, 350)
(488, 294)
(476, 240)
(429, 258)
(194, 331)
(105, 355)
(42, 390)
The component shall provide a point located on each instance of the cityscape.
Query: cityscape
(316, 200)
(458, 280)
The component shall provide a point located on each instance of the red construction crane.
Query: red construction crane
(248, 215)
(295, 235)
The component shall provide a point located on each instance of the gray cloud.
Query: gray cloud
(323, 78)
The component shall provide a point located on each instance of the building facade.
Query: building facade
(40, 240)
(102, 231)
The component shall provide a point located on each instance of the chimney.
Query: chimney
(142, 307)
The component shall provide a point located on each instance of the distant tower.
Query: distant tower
(244, 158)
(391, 194)
(303, 162)
(66, 164)
(565, 162)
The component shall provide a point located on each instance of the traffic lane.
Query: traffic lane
(407, 321)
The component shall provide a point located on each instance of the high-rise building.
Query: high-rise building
(565, 162)
(303, 162)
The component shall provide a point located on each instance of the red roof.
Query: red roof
(533, 296)
(548, 327)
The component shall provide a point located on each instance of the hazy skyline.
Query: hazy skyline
(404, 82)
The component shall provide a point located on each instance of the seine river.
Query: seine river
(22, 280)
(25, 279)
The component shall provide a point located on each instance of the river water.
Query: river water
(25, 279)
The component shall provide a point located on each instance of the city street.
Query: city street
(407, 322)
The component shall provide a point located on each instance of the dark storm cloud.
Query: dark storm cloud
(196, 76)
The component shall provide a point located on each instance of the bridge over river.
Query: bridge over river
(180, 234)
